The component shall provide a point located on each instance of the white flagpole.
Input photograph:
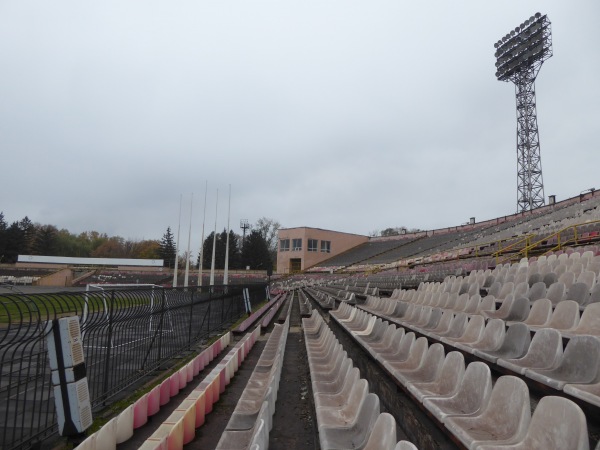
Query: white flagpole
(201, 253)
(226, 271)
(187, 261)
(212, 266)
(177, 244)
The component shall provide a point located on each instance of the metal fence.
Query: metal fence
(128, 334)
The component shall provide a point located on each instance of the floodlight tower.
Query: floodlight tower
(520, 54)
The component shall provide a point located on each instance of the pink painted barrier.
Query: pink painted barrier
(154, 401)
(140, 412)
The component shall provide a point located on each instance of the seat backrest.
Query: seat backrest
(556, 292)
(451, 373)
(537, 291)
(579, 292)
(476, 386)
(519, 309)
(509, 408)
(590, 320)
(540, 313)
(557, 423)
(582, 356)
(492, 336)
(383, 435)
(565, 316)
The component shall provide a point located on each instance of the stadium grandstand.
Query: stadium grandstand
(482, 336)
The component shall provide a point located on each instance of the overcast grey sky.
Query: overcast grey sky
(339, 114)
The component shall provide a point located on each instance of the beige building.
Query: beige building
(303, 247)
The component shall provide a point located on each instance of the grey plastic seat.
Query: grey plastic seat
(588, 277)
(383, 434)
(595, 294)
(417, 353)
(495, 289)
(432, 322)
(388, 344)
(491, 339)
(338, 415)
(579, 292)
(336, 383)
(565, 316)
(405, 445)
(354, 434)
(544, 352)
(588, 392)
(549, 279)
(540, 313)
(535, 278)
(504, 420)
(456, 328)
(567, 278)
(556, 292)
(471, 396)
(557, 424)
(518, 311)
(339, 398)
(515, 344)
(472, 332)
(400, 351)
(473, 304)
(428, 368)
(447, 381)
(488, 303)
(537, 291)
(502, 311)
(521, 289)
(589, 324)
(579, 364)
(507, 288)
(443, 324)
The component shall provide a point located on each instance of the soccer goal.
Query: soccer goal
(153, 306)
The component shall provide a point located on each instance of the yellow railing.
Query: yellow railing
(561, 241)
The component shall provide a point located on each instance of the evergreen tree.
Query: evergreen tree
(255, 252)
(46, 241)
(3, 228)
(221, 244)
(167, 248)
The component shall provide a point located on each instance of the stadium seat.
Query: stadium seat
(540, 313)
(515, 344)
(579, 364)
(383, 434)
(589, 324)
(544, 352)
(472, 395)
(504, 420)
(565, 316)
(491, 339)
(472, 332)
(354, 434)
(447, 381)
(427, 370)
(556, 424)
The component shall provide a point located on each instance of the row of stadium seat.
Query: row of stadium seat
(480, 414)
(348, 415)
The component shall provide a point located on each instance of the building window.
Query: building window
(296, 245)
(325, 247)
(284, 245)
(313, 245)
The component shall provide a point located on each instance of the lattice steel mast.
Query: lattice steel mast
(520, 54)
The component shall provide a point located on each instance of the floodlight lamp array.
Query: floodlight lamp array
(522, 47)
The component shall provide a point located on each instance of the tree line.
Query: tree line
(23, 237)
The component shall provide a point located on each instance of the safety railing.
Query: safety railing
(128, 334)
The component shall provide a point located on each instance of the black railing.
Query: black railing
(128, 335)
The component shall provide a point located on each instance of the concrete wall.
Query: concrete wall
(62, 278)
(340, 242)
